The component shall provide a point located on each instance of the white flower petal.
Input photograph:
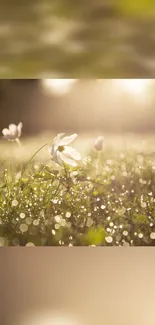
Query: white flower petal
(5, 132)
(19, 128)
(52, 150)
(13, 128)
(57, 139)
(8, 135)
(67, 140)
(56, 157)
(67, 160)
(71, 153)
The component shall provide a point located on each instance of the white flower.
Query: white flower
(61, 152)
(13, 132)
(99, 143)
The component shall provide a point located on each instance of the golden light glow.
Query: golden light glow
(133, 86)
(58, 86)
(47, 318)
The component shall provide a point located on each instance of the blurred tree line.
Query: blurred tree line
(88, 107)
(65, 38)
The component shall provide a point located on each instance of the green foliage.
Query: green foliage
(95, 236)
(137, 7)
(110, 201)
(140, 219)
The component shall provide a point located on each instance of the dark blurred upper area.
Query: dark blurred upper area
(95, 38)
(89, 106)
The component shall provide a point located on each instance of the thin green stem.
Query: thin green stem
(32, 159)
(18, 142)
(98, 162)
(56, 192)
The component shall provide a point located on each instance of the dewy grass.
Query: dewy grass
(45, 203)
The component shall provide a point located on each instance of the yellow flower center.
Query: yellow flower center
(61, 148)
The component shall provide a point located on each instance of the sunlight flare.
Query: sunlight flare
(49, 319)
(58, 86)
(133, 86)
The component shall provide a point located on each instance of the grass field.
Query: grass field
(108, 199)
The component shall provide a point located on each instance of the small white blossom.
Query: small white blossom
(13, 132)
(98, 145)
(61, 152)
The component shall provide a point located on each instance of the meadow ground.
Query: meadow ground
(108, 199)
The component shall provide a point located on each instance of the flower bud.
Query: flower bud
(99, 143)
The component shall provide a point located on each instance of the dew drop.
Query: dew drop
(23, 227)
(14, 203)
(68, 214)
(36, 222)
(58, 219)
(111, 224)
(152, 235)
(22, 215)
(30, 244)
(125, 244)
(109, 239)
(143, 204)
(15, 241)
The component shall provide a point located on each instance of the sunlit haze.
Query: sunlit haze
(138, 89)
(47, 318)
(134, 86)
(84, 105)
(58, 86)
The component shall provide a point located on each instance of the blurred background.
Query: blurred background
(64, 38)
(122, 110)
(77, 286)
(82, 106)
